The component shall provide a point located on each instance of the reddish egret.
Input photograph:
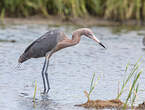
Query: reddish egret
(51, 42)
(143, 41)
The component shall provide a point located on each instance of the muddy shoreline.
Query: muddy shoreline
(57, 21)
(110, 104)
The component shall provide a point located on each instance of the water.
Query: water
(70, 70)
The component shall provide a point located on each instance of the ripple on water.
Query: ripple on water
(70, 70)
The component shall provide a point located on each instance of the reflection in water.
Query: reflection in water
(44, 103)
(41, 104)
(2, 40)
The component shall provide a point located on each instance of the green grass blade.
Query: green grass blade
(35, 93)
(93, 84)
(134, 96)
(127, 67)
(133, 85)
(2, 15)
(92, 81)
(134, 69)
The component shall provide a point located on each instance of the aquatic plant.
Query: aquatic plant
(133, 73)
(110, 9)
(2, 14)
(133, 90)
(34, 93)
(125, 9)
(134, 95)
(92, 86)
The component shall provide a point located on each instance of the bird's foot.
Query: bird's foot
(44, 92)
(47, 90)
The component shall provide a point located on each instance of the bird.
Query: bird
(51, 42)
(143, 41)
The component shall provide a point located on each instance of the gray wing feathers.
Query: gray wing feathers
(42, 45)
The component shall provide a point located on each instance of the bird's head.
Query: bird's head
(89, 33)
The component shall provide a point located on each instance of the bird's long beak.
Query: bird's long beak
(98, 41)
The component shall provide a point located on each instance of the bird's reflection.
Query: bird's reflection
(44, 96)
(44, 103)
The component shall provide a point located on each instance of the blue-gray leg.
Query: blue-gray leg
(43, 77)
(44, 71)
(46, 75)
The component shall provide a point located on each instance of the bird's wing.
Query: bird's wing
(43, 37)
(42, 45)
(36, 41)
(29, 46)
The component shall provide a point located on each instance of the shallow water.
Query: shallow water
(70, 70)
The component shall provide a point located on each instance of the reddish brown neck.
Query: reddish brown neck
(76, 37)
(66, 42)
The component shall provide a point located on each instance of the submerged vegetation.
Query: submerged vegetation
(108, 9)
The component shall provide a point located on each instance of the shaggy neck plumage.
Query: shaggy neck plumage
(76, 36)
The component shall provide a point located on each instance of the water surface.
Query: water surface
(70, 70)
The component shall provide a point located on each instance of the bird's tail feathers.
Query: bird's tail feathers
(22, 58)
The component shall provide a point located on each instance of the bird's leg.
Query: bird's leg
(48, 55)
(46, 74)
(43, 71)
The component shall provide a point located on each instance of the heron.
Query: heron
(143, 41)
(51, 42)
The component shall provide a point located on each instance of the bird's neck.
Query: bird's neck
(76, 36)
(71, 42)
(75, 39)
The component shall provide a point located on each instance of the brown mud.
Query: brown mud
(110, 104)
(101, 104)
(57, 21)
(141, 106)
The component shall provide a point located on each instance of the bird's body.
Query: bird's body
(51, 42)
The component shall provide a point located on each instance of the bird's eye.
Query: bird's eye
(89, 34)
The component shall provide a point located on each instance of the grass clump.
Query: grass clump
(134, 74)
